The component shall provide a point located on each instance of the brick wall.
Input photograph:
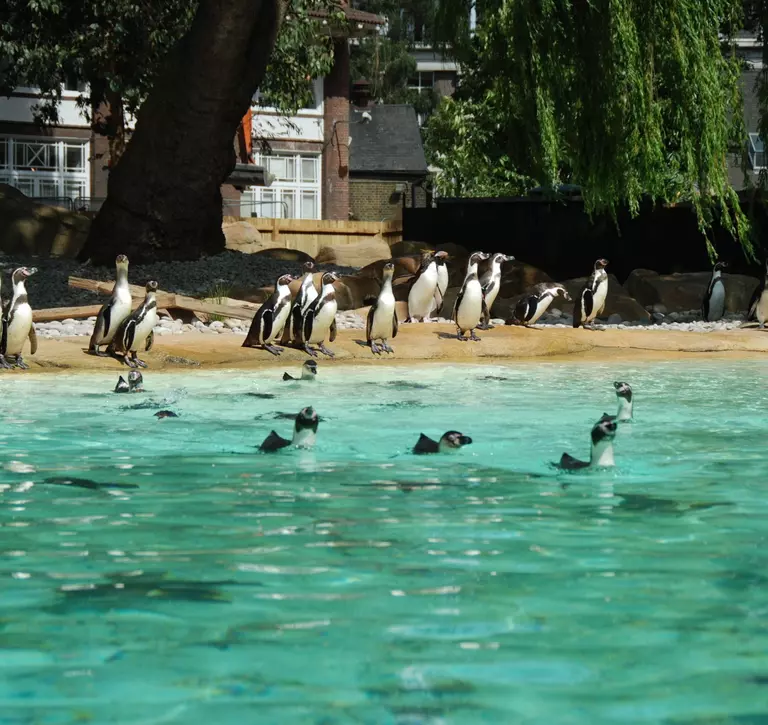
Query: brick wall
(335, 174)
(377, 200)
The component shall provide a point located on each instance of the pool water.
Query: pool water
(205, 583)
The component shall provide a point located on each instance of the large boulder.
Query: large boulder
(356, 254)
(407, 249)
(685, 291)
(617, 302)
(292, 256)
(353, 291)
(403, 266)
(518, 277)
(243, 237)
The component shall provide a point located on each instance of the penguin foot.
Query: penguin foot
(140, 363)
(460, 336)
(4, 364)
(473, 337)
(388, 348)
(325, 350)
(375, 348)
(94, 350)
(19, 363)
(309, 350)
(274, 349)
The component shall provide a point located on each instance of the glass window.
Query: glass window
(48, 188)
(35, 155)
(74, 157)
(308, 169)
(295, 191)
(283, 167)
(74, 189)
(287, 207)
(3, 153)
(309, 205)
(25, 186)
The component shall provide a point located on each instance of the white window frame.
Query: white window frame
(756, 157)
(59, 176)
(255, 200)
(421, 86)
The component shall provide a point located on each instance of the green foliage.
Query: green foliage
(625, 98)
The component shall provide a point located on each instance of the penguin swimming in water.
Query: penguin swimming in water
(165, 414)
(382, 317)
(422, 293)
(18, 326)
(758, 305)
(319, 320)
(624, 398)
(713, 304)
(442, 283)
(270, 318)
(304, 433)
(137, 329)
(470, 303)
(304, 298)
(450, 441)
(135, 383)
(601, 453)
(591, 301)
(491, 283)
(308, 371)
(112, 314)
(531, 307)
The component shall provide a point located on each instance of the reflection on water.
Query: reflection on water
(157, 573)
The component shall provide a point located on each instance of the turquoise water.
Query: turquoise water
(360, 584)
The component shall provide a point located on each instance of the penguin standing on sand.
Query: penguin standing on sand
(601, 452)
(304, 433)
(304, 297)
(270, 318)
(713, 305)
(450, 441)
(137, 329)
(491, 283)
(18, 325)
(591, 302)
(319, 320)
(470, 303)
(382, 317)
(112, 314)
(442, 283)
(422, 293)
(758, 305)
(531, 307)
(308, 371)
(3, 364)
(624, 398)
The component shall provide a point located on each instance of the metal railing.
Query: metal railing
(249, 208)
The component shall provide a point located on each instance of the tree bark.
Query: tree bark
(164, 197)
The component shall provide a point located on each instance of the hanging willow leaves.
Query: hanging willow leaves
(626, 98)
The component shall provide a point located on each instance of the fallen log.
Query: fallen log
(239, 309)
(65, 313)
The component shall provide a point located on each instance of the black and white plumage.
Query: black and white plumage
(304, 433)
(421, 296)
(134, 384)
(601, 451)
(136, 331)
(591, 301)
(306, 294)
(470, 302)
(319, 319)
(624, 399)
(382, 317)
(758, 304)
(491, 283)
(112, 314)
(270, 319)
(3, 364)
(442, 283)
(449, 441)
(533, 305)
(713, 304)
(17, 325)
(308, 371)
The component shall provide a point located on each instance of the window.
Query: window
(45, 168)
(756, 151)
(422, 81)
(295, 191)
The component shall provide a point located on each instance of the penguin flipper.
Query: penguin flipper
(32, 339)
(149, 341)
(129, 331)
(569, 463)
(521, 310)
(273, 442)
(252, 338)
(122, 386)
(101, 326)
(3, 336)
(485, 314)
(369, 321)
(457, 304)
(394, 324)
(425, 445)
(286, 376)
(332, 334)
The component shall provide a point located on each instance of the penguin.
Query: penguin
(270, 318)
(491, 283)
(112, 314)
(304, 297)
(319, 319)
(758, 305)
(18, 321)
(308, 372)
(591, 301)
(531, 307)
(624, 398)
(4, 365)
(713, 304)
(422, 293)
(137, 329)
(304, 433)
(450, 441)
(601, 453)
(470, 304)
(165, 414)
(382, 317)
(442, 283)
(134, 384)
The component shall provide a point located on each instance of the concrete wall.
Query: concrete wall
(380, 200)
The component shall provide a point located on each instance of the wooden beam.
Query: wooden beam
(64, 313)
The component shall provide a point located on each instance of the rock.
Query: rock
(404, 266)
(614, 319)
(407, 249)
(657, 318)
(682, 292)
(554, 312)
(294, 257)
(216, 325)
(617, 302)
(518, 277)
(658, 307)
(243, 237)
(449, 300)
(317, 279)
(401, 287)
(356, 254)
(353, 291)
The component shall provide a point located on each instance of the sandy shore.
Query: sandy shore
(418, 343)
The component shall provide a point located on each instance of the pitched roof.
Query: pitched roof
(390, 143)
(352, 15)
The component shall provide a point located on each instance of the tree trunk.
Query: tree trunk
(164, 197)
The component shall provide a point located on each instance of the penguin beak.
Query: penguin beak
(465, 440)
(509, 258)
(29, 271)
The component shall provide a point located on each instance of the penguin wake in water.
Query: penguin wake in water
(135, 383)
(531, 307)
(624, 398)
(470, 305)
(308, 371)
(18, 326)
(382, 317)
(758, 305)
(590, 303)
(270, 319)
(450, 441)
(304, 433)
(713, 304)
(491, 284)
(112, 314)
(601, 453)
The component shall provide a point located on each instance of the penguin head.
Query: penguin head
(284, 279)
(22, 273)
(308, 267)
(440, 257)
(135, 379)
(562, 292)
(454, 439)
(499, 258)
(311, 366)
(604, 429)
(121, 260)
(720, 266)
(601, 264)
(388, 270)
(151, 286)
(623, 390)
(307, 420)
(477, 257)
(330, 277)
